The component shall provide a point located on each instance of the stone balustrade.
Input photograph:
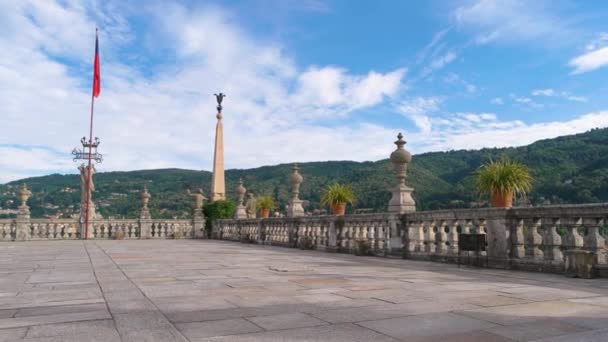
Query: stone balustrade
(543, 239)
(352, 233)
(71, 229)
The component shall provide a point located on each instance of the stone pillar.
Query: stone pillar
(22, 231)
(145, 220)
(198, 219)
(498, 239)
(218, 186)
(401, 201)
(240, 212)
(295, 208)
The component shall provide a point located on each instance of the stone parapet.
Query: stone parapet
(534, 239)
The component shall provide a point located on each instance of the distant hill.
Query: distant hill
(568, 169)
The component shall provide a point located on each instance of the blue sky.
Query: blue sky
(306, 80)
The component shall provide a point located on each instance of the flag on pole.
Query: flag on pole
(96, 72)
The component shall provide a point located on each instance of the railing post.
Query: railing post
(497, 237)
(394, 245)
(22, 228)
(332, 236)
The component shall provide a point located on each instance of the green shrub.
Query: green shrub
(265, 202)
(217, 210)
(503, 176)
(337, 193)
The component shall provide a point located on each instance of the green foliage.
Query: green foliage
(337, 193)
(265, 202)
(570, 169)
(219, 210)
(503, 176)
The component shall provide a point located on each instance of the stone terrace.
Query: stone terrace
(199, 290)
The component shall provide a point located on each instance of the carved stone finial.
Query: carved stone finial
(401, 200)
(294, 208)
(24, 195)
(241, 212)
(145, 197)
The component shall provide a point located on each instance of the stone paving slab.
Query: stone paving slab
(198, 290)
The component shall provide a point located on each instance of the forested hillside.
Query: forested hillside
(569, 169)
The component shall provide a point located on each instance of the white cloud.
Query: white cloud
(439, 62)
(418, 110)
(512, 21)
(600, 41)
(590, 61)
(167, 119)
(152, 115)
(543, 92)
(461, 133)
(563, 94)
(454, 78)
(497, 100)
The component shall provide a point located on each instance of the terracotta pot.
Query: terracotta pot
(264, 213)
(502, 200)
(338, 209)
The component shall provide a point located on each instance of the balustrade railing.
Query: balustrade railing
(71, 229)
(536, 238)
(7, 229)
(345, 234)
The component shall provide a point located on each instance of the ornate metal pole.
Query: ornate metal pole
(89, 156)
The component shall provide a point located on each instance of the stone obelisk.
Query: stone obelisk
(218, 185)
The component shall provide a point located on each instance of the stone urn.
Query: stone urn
(24, 195)
(145, 197)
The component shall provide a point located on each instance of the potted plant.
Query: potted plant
(503, 179)
(265, 204)
(337, 196)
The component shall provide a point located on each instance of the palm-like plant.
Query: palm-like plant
(264, 205)
(337, 196)
(503, 179)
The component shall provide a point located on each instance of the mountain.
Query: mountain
(568, 169)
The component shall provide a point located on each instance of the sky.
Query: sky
(306, 80)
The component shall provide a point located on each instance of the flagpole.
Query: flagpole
(86, 215)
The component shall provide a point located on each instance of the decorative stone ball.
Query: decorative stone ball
(401, 156)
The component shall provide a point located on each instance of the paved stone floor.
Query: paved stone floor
(193, 290)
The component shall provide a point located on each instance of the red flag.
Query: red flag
(96, 72)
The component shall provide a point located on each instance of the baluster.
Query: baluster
(575, 240)
(453, 238)
(429, 228)
(441, 237)
(595, 242)
(466, 229)
(163, 230)
(535, 241)
(34, 231)
(518, 249)
(372, 236)
(52, 228)
(553, 242)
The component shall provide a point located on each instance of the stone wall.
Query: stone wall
(547, 239)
